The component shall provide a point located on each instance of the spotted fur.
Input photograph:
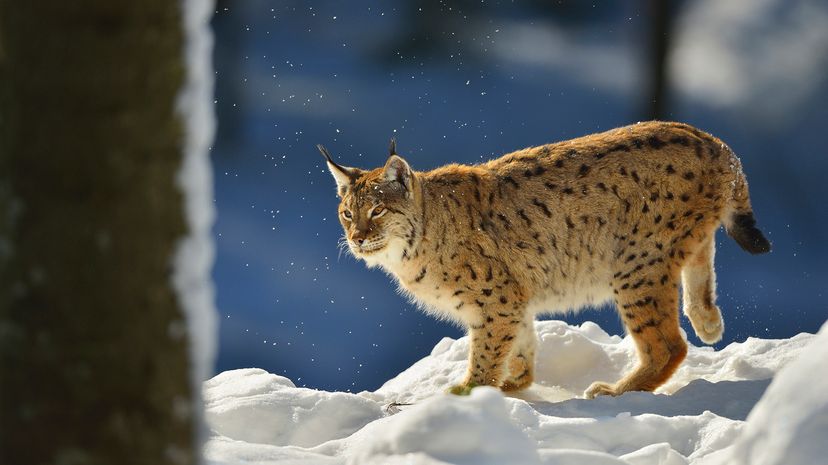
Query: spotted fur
(622, 216)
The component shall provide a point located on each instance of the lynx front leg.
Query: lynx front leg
(650, 313)
(491, 344)
(522, 359)
(493, 335)
(494, 308)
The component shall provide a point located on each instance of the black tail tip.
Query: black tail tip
(747, 235)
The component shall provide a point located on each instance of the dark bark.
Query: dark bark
(93, 360)
(660, 35)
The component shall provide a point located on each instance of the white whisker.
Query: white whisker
(342, 245)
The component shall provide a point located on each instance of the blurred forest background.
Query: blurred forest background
(466, 81)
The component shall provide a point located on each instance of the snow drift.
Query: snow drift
(257, 417)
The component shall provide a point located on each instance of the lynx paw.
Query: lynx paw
(515, 385)
(600, 389)
(461, 389)
(708, 325)
(519, 382)
(710, 332)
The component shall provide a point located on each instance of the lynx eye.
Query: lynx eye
(378, 211)
(346, 214)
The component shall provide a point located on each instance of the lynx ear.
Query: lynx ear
(343, 175)
(397, 169)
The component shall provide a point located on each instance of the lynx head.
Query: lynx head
(377, 209)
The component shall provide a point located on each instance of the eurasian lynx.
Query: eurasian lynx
(622, 215)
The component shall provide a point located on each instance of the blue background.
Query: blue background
(465, 82)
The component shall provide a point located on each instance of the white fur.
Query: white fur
(389, 258)
(439, 303)
(572, 299)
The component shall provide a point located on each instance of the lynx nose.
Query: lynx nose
(359, 237)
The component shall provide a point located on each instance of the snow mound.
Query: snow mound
(790, 424)
(255, 406)
(475, 430)
(570, 358)
(260, 418)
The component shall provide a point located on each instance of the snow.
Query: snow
(471, 430)
(262, 418)
(297, 416)
(194, 255)
(570, 359)
(790, 424)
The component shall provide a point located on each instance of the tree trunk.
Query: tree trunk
(661, 31)
(93, 344)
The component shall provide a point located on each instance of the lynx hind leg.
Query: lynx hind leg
(699, 288)
(522, 358)
(650, 314)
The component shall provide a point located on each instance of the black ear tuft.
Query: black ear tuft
(344, 176)
(350, 172)
(392, 148)
(325, 153)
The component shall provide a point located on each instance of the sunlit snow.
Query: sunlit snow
(698, 417)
